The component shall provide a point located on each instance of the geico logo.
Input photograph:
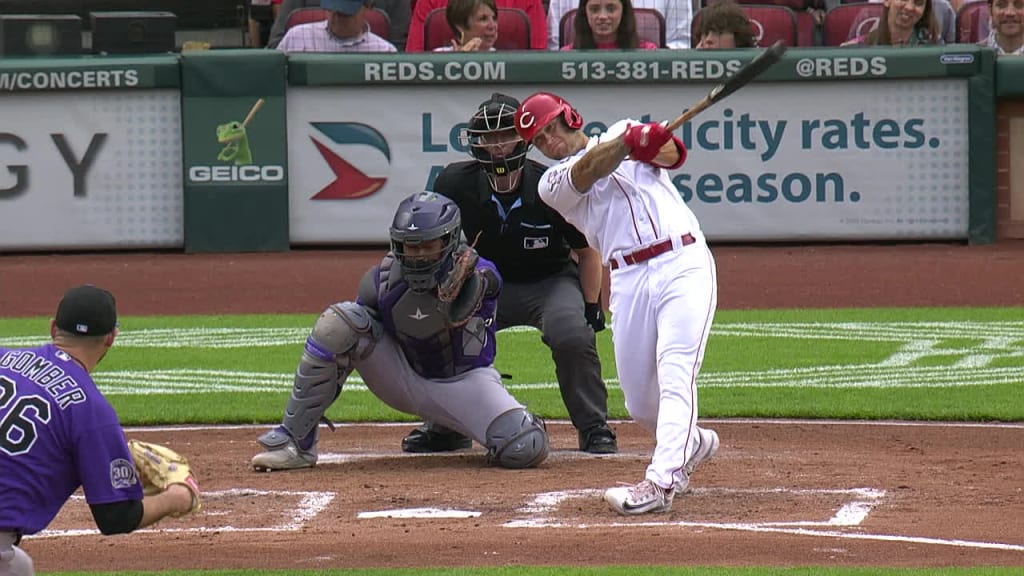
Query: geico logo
(236, 173)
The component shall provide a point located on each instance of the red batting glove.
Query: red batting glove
(646, 140)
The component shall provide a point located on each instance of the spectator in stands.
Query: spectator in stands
(533, 8)
(945, 19)
(725, 25)
(606, 25)
(346, 30)
(1007, 33)
(398, 11)
(678, 15)
(474, 25)
(903, 23)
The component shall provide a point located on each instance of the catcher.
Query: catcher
(66, 435)
(422, 336)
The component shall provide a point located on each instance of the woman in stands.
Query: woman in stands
(903, 23)
(607, 25)
(474, 25)
(724, 25)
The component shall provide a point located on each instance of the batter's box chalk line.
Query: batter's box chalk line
(850, 515)
(553, 456)
(295, 515)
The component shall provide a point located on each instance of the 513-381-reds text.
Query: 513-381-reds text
(641, 70)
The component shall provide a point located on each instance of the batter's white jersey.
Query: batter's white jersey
(634, 207)
(663, 297)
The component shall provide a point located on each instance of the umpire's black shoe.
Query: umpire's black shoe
(434, 438)
(598, 439)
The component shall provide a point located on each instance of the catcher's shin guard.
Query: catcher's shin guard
(344, 334)
(517, 439)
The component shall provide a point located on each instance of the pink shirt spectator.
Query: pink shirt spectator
(533, 8)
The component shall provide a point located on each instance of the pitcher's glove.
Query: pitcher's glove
(159, 467)
(462, 291)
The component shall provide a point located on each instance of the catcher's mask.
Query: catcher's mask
(492, 139)
(420, 219)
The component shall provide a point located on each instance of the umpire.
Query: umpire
(544, 287)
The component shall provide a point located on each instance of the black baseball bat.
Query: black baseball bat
(741, 78)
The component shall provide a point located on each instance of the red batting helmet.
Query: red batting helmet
(541, 108)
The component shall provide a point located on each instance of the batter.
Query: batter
(615, 188)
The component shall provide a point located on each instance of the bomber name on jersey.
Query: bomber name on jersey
(46, 374)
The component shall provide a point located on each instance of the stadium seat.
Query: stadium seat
(770, 23)
(513, 30)
(972, 22)
(380, 23)
(650, 26)
(805, 28)
(848, 21)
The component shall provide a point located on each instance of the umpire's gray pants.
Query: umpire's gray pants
(554, 305)
(13, 560)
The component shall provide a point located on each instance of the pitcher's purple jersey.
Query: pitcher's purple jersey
(57, 432)
(432, 348)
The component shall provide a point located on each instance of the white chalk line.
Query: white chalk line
(850, 514)
(309, 505)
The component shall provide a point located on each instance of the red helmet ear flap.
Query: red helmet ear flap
(572, 117)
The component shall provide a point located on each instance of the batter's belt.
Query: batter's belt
(650, 251)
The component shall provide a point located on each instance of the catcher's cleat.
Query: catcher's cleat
(434, 438)
(706, 450)
(289, 457)
(644, 498)
(598, 439)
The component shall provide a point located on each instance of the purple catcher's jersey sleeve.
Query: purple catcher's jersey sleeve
(64, 435)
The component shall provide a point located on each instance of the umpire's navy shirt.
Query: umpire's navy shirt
(525, 238)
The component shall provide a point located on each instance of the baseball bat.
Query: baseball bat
(741, 78)
(255, 108)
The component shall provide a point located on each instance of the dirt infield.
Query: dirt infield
(779, 493)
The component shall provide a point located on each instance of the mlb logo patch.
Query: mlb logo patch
(535, 242)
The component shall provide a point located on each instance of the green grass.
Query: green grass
(773, 364)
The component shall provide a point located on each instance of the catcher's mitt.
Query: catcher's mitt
(159, 467)
(461, 292)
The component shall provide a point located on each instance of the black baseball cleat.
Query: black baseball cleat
(598, 439)
(434, 438)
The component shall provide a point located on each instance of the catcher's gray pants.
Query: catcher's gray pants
(554, 305)
(467, 403)
(13, 560)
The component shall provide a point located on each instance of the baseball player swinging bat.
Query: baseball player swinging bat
(752, 70)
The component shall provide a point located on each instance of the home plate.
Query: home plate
(419, 513)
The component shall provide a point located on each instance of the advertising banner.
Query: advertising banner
(92, 169)
(236, 174)
(888, 160)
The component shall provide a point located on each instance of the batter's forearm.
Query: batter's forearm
(598, 163)
(591, 274)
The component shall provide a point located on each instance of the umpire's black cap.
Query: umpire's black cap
(88, 311)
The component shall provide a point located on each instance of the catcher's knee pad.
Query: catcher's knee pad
(517, 439)
(343, 334)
